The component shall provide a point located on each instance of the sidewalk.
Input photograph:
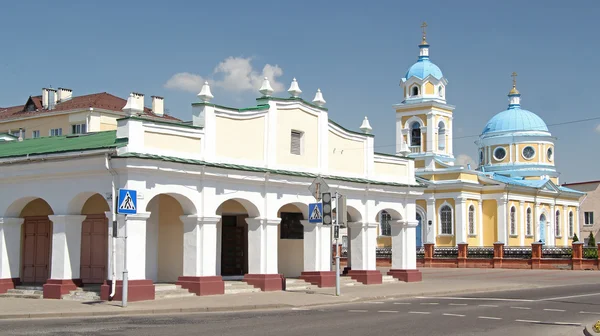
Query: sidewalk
(435, 282)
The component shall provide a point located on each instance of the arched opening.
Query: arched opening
(36, 242)
(441, 136)
(557, 231)
(164, 237)
(291, 239)
(542, 228)
(232, 239)
(94, 240)
(414, 91)
(415, 134)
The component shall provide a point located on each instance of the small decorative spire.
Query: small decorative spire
(366, 127)
(319, 101)
(266, 88)
(205, 95)
(424, 27)
(294, 89)
(424, 46)
(514, 88)
(131, 107)
(514, 96)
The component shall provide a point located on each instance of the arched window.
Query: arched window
(571, 225)
(472, 220)
(441, 136)
(528, 222)
(446, 220)
(557, 224)
(415, 134)
(415, 91)
(386, 228)
(441, 91)
(513, 221)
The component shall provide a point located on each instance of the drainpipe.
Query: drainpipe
(114, 239)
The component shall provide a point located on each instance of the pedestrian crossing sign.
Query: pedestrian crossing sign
(315, 212)
(127, 202)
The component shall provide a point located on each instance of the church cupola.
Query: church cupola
(514, 96)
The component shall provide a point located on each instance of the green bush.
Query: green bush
(591, 240)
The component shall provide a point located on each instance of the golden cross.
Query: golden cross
(514, 76)
(423, 26)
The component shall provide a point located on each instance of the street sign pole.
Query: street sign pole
(337, 246)
(125, 272)
(127, 205)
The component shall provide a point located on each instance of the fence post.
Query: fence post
(536, 255)
(498, 254)
(463, 249)
(428, 258)
(577, 256)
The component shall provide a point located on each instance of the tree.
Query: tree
(591, 240)
(575, 239)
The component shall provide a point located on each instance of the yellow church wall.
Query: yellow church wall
(232, 140)
(445, 240)
(429, 88)
(390, 169)
(175, 143)
(520, 152)
(490, 232)
(349, 161)
(306, 123)
(404, 92)
(506, 157)
(419, 163)
(423, 118)
(422, 204)
(430, 107)
(383, 241)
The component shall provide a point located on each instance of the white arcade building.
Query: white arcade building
(223, 195)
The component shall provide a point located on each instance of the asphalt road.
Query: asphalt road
(547, 311)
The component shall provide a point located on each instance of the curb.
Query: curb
(252, 307)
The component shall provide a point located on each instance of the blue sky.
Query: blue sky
(356, 52)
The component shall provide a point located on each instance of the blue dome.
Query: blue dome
(423, 68)
(515, 119)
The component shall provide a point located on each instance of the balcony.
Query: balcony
(415, 149)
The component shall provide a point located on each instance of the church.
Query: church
(513, 196)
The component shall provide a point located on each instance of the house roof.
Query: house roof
(102, 100)
(537, 184)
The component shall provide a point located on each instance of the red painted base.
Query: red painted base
(6, 284)
(406, 275)
(366, 277)
(202, 285)
(137, 290)
(319, 278)
(266, 282)
(56, 288)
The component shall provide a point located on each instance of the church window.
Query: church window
(513, 221)
(415, 91)
(528, 223)
(481, 157)
(415, 134)
(499, 153)
(441, 91)
(441, 136)
(528, 152)
(471, 220)
(386, 227)
(571, 225)
(446, 220)
(550, 154)
(290, 226)
(557, 224)
(296, 143)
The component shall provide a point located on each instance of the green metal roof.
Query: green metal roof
(61, 144)
(263, 170)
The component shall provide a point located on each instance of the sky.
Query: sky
(356, 52)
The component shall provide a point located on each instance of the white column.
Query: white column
(480, 221)
(364, 244)
(461, 220)
(317, 247)
(522, 222)
(10, 247)
(565, 226)
(262, 245)
(66, 246)
(501, 214)
(404, 249)
(550, 227)
(430, 229)
(136, 246)
(199, 245)
(535, 222)
(576, 225)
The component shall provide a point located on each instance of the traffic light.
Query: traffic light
(326, 199)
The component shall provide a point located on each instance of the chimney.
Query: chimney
(48, 98)
(45, 98)
(158, 105)
(139, 99)
(64, 94)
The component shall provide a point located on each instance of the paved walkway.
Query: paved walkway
(436, 281)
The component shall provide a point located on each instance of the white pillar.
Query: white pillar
(10, 248)
(461, 220)
(199, 245)
(262, 245)
(364, 244)
(522, 222)
(66, 246)
(430, 229)
(536, 221)
(501, 214)
(404, 250)
(317, 247)
(550, 221)
(136, 246)
(480, 221)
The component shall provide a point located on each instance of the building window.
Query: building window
(528, 152)
(35, 134)
(557, 224)
(296, 142)
(589, 218)
(550, 154)
(56, 132)
(291, 227)
(441, 136)
(78, 129)
(415, 134)
(499, 153)
(481, 157)
(571, 225)
(472, 220)
(386, 227)
(513, 221)
(446, 220)
(415, 91)
(528, 223)
(441, 90)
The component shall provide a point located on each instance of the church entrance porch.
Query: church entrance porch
(36, 250)
(234, 245)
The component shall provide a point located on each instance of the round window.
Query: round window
(550, 154)
(528, 152)
(499, 153)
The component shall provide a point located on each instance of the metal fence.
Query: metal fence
(557, 252)
(590, 252)
(445, 252)
(523, 252)
(480, 252)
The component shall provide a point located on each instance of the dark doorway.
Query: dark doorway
(94, 249)
(234, 259)
(36, 250)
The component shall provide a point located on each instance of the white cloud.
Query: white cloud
(234, 74)
(464, 159)
(598, 128)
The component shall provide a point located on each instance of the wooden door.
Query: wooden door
(94, 249)
(232, 247)
(36, 250)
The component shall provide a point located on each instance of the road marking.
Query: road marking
(495, 306)
(520, 307)
(527, 321)
(555, 310)
(489, 318)
(358, 311)
(584, 312)
(387, 311)
(376, 302)
(300, 309)
(457, 304)
(567, 323)
(402, 303)
(417, 312)
(429, 303)
(569, 297)
(448, 314)
(468, 298)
